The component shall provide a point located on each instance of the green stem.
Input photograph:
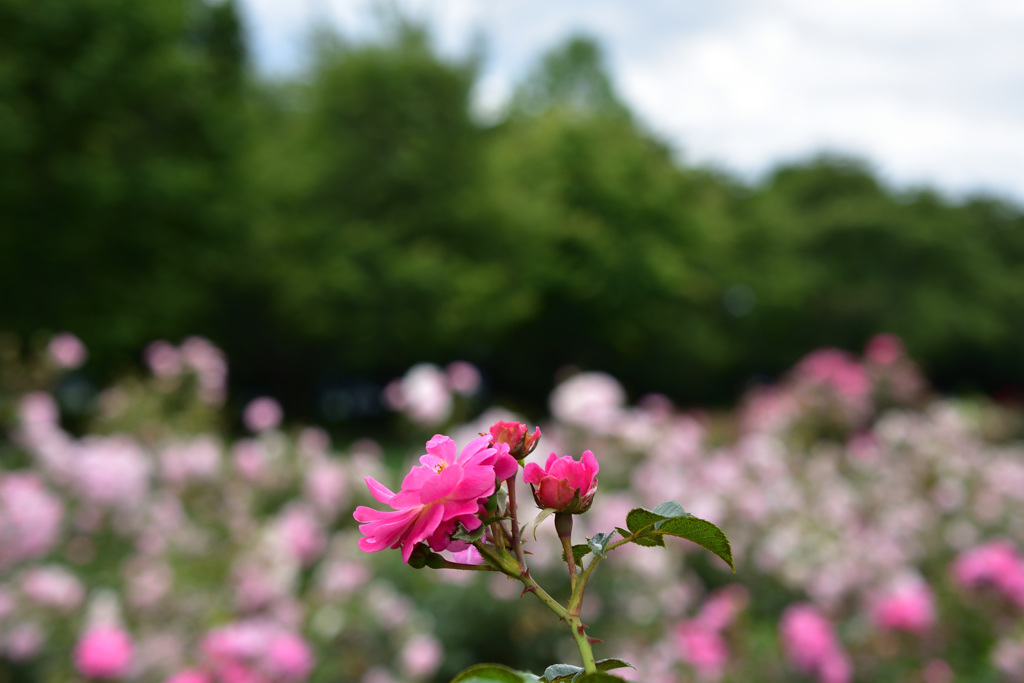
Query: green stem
(571, 561)
(513, 511)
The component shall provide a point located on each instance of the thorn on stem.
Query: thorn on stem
(594, 640)
(528, 589)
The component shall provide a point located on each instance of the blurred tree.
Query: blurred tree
(571, 76)
(118, 136)
(372, 246)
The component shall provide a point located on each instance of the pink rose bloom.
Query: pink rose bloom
(289, 658)
(703, 648)
(443, 491)
(564, 484)
(909, 607)
(104, 653)
(988, 563)
(67, 351)
(884, 349)
(520, 444)
(421, 656)
(163, 359)
(463, 377)
(30, 518)
(189, 676)
(262, 414)
(811, 644)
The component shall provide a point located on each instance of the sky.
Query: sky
(929, 92)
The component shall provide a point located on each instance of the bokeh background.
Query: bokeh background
(721, 208)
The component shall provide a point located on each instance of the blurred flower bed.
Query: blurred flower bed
(877, 531)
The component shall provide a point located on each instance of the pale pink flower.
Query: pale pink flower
(592, 400)
(250, 458)
(188, 461)
(909, 606)
(30, 518)
(703, 648)
(327, 486)
(468, 556)
(422, 394)
(443, 491)
(262, 414)
(338, 579)
(256, 651)
(163, 359)
(463, 377)
(210, 366)
(104, 653)
(52, 586)
(302, 533)
(23, 642)
(112, 471)
(67, 351)
(421, 656)
(564, 484)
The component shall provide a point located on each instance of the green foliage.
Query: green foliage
(493, 673)
(356, 218)
(564, 673)
(649, 527)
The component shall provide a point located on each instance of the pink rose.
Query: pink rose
(564, 485)
(443, 491)
(514, 434)
(104, 653)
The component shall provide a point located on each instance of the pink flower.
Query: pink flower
(564, 484)
(811, 644)
(443, 491)
(514, 434)
(104, 653)
(703, 648)
(67, 351)
(463, 377)
(421, 656)
(262, 414)
(884, 349)
(189, 676)
(289, 658)
(909, 607)
(996, 563)
(30, 518)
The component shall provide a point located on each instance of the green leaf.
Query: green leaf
(493, 673)
(670, 508)
(599, 542)
(471, 536)
(612, 663)
(599, 677)
(579, 551)
(648, 528)
(560, 672)
(545, 513)
(640, 523)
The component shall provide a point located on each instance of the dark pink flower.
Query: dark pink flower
(520, 444)
(445, 490)
(564, 484)
(104, 653)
